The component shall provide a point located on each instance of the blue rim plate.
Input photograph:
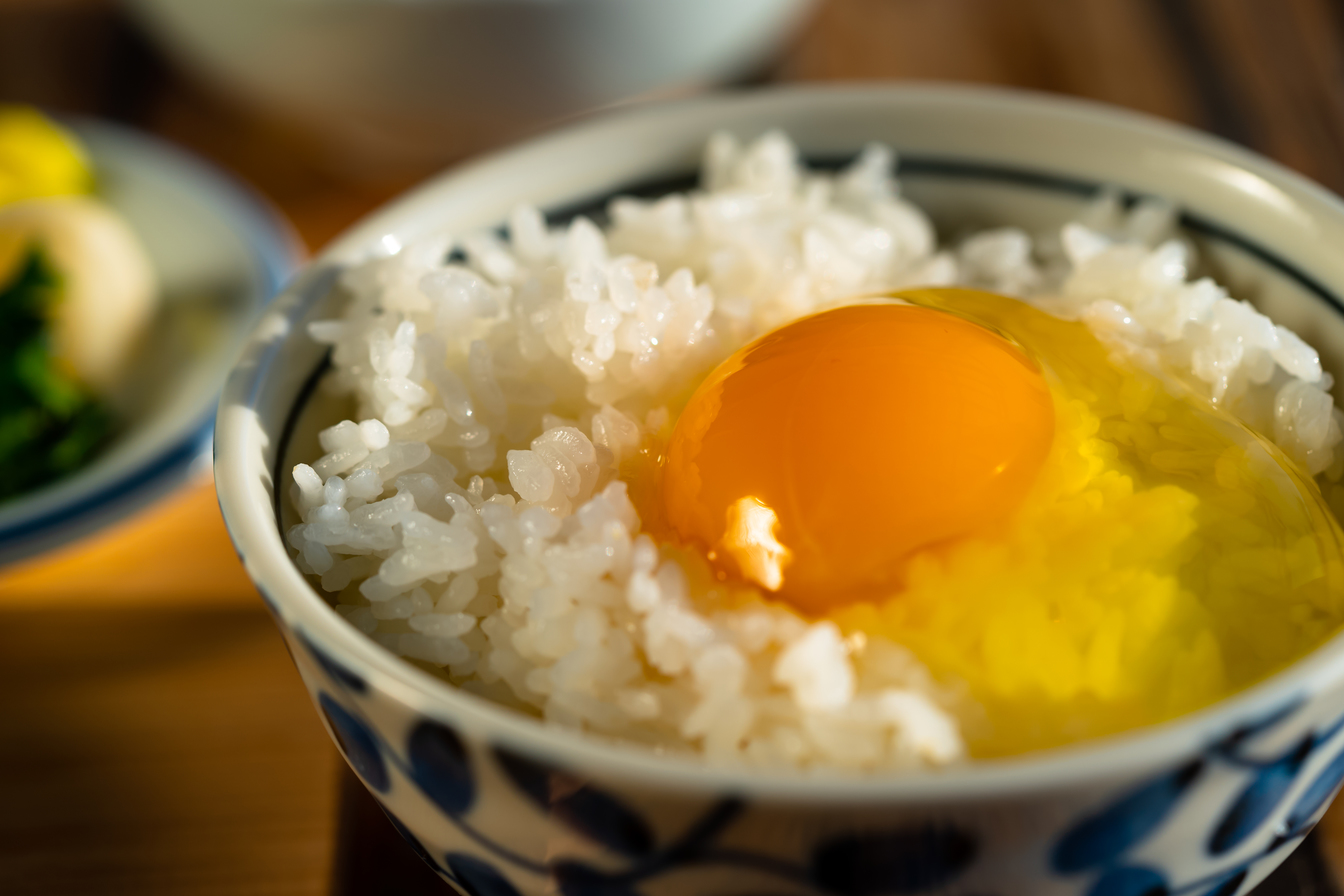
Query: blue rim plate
(212, 241)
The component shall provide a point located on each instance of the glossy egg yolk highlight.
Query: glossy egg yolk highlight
(817, 459)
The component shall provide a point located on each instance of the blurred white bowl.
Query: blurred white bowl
(426, 80)
(219, 254)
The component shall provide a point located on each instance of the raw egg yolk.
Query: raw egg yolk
(818, 458)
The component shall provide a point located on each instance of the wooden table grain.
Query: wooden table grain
(154, 737)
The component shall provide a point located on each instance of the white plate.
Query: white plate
(220, 253)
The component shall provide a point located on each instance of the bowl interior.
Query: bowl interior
(971, 158)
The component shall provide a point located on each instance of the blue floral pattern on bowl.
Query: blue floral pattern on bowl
(1101, 843)
(1097, 849)
(436, 760)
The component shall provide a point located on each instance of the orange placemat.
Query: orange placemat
(175, 552)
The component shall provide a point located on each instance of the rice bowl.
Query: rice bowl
(479, 518)
(388, 700)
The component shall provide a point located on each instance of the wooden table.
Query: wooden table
(154, 737)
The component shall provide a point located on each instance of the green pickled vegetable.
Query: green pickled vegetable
(50, 423)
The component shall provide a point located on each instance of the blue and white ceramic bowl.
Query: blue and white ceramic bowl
(501, 804)
(219, 254)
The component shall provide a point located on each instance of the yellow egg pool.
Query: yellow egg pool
(1166, 557)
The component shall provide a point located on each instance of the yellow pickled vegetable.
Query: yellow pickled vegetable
(77, 292)
(38, 159)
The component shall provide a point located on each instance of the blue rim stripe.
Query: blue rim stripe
(291, 423)
(934, 166)
(315, 292)
(952, 168)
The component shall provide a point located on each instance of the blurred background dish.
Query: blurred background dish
(217, 253)
(389, 82)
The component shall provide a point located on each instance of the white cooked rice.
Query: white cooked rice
(472, 520)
